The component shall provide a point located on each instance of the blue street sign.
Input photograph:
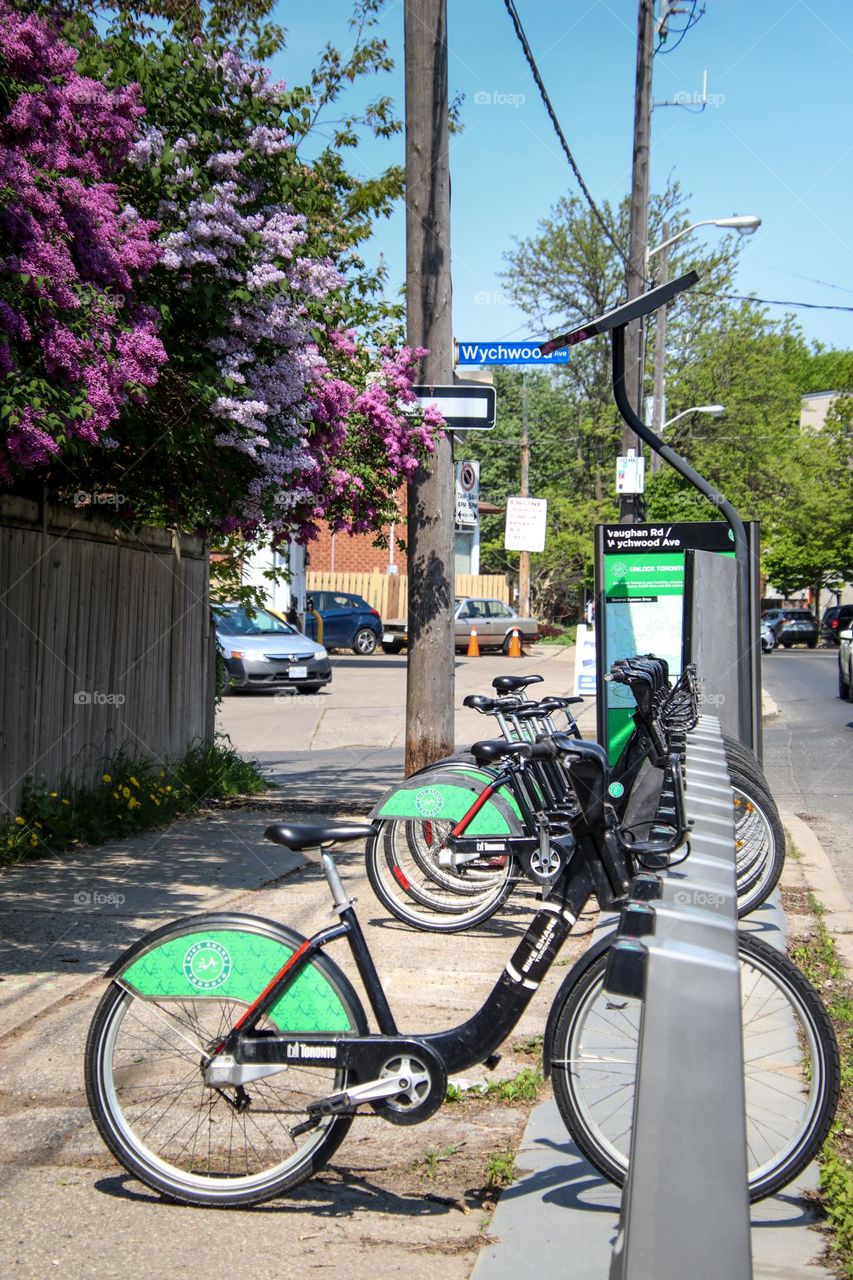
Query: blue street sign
(502, 352)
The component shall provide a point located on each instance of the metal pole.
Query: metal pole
(630, 504)
(741, 546)
(429, 691)
(524, 556)
(659, 401)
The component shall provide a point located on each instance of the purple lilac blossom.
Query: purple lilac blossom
(71, 253)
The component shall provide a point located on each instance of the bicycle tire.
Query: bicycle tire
(594, 1046)
(184, 1139)
(416, 899)
(759, 842)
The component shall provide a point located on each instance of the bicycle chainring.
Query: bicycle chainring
(427, 1087)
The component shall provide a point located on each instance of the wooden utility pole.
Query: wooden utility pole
(630, 504)
(429, 691)
(661, 275)
(524, 556)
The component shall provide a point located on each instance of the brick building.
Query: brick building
(355, 553)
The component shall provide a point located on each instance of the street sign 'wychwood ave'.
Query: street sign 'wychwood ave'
(484, 353)
(464, 407)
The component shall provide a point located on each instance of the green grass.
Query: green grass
(133, 794)
(523, 1087)
(818, 958)
(431, 1160)
(500, 1168)
(551, 633)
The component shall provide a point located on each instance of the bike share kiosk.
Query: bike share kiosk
(685, 1206)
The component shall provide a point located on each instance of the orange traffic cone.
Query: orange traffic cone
(473, 644)
(515, 644)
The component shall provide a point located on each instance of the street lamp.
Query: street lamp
(714, 409)
(745, 224)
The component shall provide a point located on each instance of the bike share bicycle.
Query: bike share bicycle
(229, 1054)
(456, 838)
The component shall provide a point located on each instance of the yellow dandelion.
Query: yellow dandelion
(20, 821)
(125, 791)
(34, 840)
(162, 773)
(135, 781)
(37, 824)
(107, 777)
(66, 801)
(168, 789)
(54, 795)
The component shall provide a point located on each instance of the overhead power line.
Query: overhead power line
(775, 302)
(543, 93)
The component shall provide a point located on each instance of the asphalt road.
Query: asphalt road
(808, 749)
(340, 749)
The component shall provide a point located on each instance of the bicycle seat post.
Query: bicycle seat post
(340, 901)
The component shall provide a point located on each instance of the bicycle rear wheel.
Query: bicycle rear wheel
(402, 866)
(216, 1146)
(791, 1064)
(759, 842)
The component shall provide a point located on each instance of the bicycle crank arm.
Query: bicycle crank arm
(371, 1091)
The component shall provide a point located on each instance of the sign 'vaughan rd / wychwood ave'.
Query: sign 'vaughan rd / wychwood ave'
(464, 406)
(502, 352)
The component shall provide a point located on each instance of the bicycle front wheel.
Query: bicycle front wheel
(403, 869)
(791, 1065)
(217, 1146)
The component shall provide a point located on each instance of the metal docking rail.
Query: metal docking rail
(685, 1206)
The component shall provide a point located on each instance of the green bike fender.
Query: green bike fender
(228, 956)
(446, 795)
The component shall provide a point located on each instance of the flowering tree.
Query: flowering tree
(271, 413)
(74, 346)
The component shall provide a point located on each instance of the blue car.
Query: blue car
(348, 621)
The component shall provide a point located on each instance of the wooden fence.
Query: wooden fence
(389, 592)
(105, 643)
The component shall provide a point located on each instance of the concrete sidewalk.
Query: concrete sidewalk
(562, 1200)
(64, 919)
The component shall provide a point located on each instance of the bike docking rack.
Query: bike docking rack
(685, 1205)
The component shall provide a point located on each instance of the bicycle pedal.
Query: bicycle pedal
(304, 1127)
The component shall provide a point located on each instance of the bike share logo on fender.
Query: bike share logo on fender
(429, 802)
(206, 965)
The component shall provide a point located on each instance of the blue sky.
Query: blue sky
(777, 140)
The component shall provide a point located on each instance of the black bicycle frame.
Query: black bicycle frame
(458, 1048)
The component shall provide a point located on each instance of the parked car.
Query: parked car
(845, 661)
(768, 637)
(261, 651)
(349, 622)
(773, 618)
(494, 621)
(834, 621)
(799, 626)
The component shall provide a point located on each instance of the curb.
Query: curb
(769, 709)
(822, 881)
